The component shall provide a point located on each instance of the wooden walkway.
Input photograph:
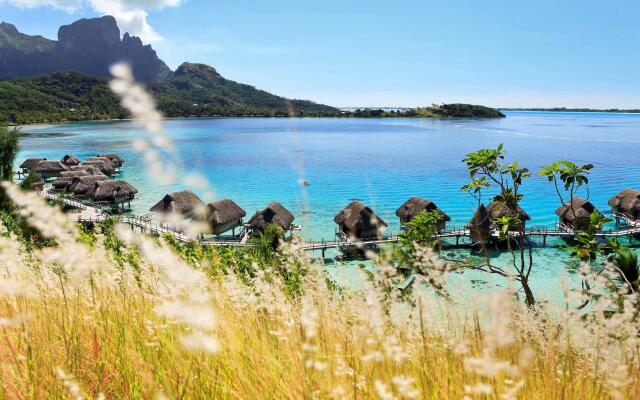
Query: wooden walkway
(90, 214)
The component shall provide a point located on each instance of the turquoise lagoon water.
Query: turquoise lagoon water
(379, 161)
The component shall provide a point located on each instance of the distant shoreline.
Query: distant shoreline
(575, 110)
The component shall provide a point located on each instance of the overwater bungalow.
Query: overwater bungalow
(104, 166)
(89, 169)
(275, 213)
(63, 182)
(70, 161)
(480, 225)
(118, 194)
(105, 159)
(115, 159)
(626, 204)
(80, 185)
(357, 221)
(499, 209)
(576, 214)
(415, 206)
(29, 165)
(185, 203)
(50, 169)
(224, 215)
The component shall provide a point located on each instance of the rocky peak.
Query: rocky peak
(95, 34)
(9, 29)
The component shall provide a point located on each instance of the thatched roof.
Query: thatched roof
(70, 161)
(105, 159)
(499, 209)
(583, 210)
(184, 202)
(81, 184)
(115, 159)
(627, 201)
(357, 216)
(50, 167)
(89, 169)
(111, 191)
(104, 166)
(275, 213)
(31, 163)
(481, 219)
(415, 206)
(224, 211)
(66, 177)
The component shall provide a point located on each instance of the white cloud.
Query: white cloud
(130, 14)
(67, 5)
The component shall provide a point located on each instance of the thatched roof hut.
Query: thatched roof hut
(30, 164)
(115, 159)
(576, 214)
(80, 185)
(50, 168)
(70, 161)
(105, 159)
(480, 225)
(224, 215)
(357, 220)
(415, 206)
(627, 203)
(89, 169)
(104, 166)
(275, 213)
(185, 203)
(111, 192)
(499, 209)
(65, 178)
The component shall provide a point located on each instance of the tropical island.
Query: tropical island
(46, 81)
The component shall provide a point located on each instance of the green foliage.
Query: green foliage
(421, 229)
(506, 224)
(571, 175)
(8, 150)
(29, 182)
(486, 166)
(627, 265)
(587, 247)
(435, 111)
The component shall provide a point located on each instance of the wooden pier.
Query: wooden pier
(90, 214)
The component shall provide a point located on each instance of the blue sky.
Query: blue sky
(574, 53)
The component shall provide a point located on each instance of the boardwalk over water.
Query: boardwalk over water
(90, 214)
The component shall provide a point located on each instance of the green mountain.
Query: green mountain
(192, 91)
(199, 90)
(11, 38)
